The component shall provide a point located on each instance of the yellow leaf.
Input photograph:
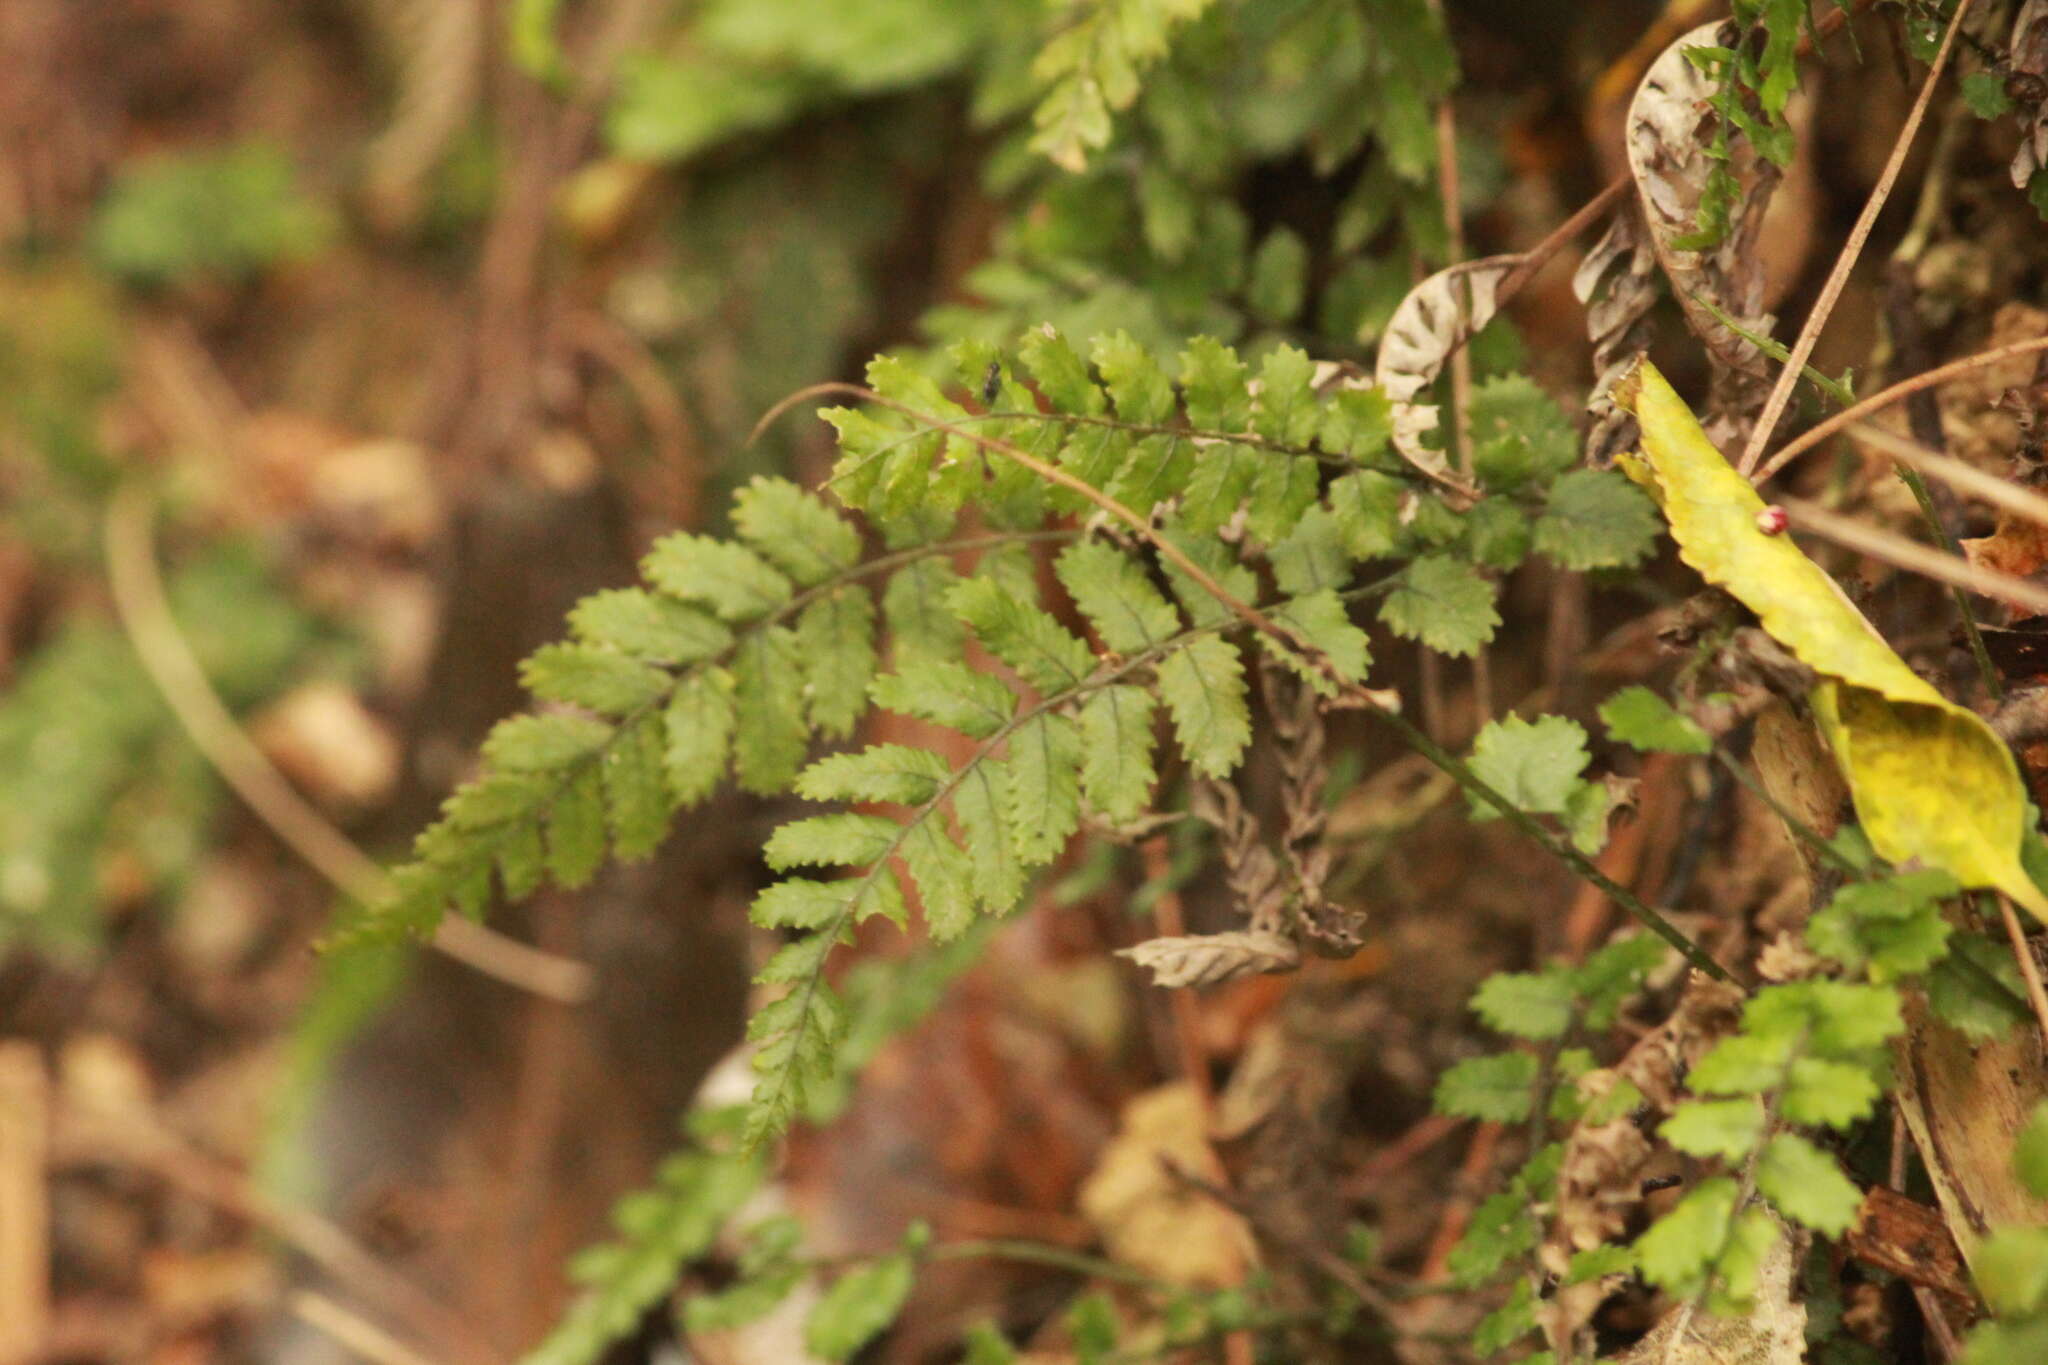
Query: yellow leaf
(1930, 781)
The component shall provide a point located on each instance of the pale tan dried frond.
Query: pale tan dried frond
(1437, 317)
(2029, 57)
(1211, 959)
(1331, 930)
(1249, 865)
(1617, 282)
(1668, 133)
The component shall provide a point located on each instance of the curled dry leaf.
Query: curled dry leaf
(1669, 128)
(1331, 929)
(1435, 319)
(1772, 1332)
(1600, 1177)
(1209, 959)
(2030, 59)
(1617, 282)
(1249, 865)
(1152, 1220)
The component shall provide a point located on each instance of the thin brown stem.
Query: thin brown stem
(1914, 557)
(1884, 398)
(2030, 971)
(1139, 525)
(1963, 477)
(1852, 250)
(145, 615)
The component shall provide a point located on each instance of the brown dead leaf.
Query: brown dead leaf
(1435, 319)
(1149, 1219)
(1208, 959)
(322, 737)
(1668, 134)
(1773, 1332)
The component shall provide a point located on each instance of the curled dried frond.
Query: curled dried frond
(1209, 959)
(1617, 282)
(1669, 157)
(1331, 930)
(1434, 320)
(2030, 60)
(1249, 865)
(1600, 1177)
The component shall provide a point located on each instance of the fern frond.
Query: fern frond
(1202, 684)
(660, 1229)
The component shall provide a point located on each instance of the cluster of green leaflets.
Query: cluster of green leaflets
(1809, 1057)
(737, 655)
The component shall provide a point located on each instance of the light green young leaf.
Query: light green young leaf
(1499, 1088)
(700, 719)
(543, 743)
(731, 579)
(1596, 519)
(1116, 747)
(1313, 556)
(1367, 506)
(843, 840)
(944, 877)
(1729, 1129)
(1142, 392)
(1117, 596)
(1049, 656)
(1751, 1240)
(921, 624)
(637, 800)
(1320, 619)
(836, 640)
(1202, 684)
(1357, 423)
(658, 629)
(1535, 1005)
(1679, 1247)
(1743, 1065)
(1044, 787)
(806, 539)
(1444, 604)
(1534, 764)
(1641, 719)
(981, 802)
(1287, 412)
(1059, 371)
(881, 772)
(522, 860)
(2030, 1152)
(1614, 973)
(948, 694)
(858, 1306)
(1283, 489)
(772, 733)
(1807, 1186)
(1279, 277)
(1216, 559)
(1157, 468)
(805, 903)
(2012, 1271)
(576, 831)
(1824, 1093)
(1216, 387)
(1223, 475)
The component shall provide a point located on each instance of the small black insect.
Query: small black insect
(991, 383)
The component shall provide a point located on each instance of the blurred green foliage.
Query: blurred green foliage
(226, 213)
(97, 766)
